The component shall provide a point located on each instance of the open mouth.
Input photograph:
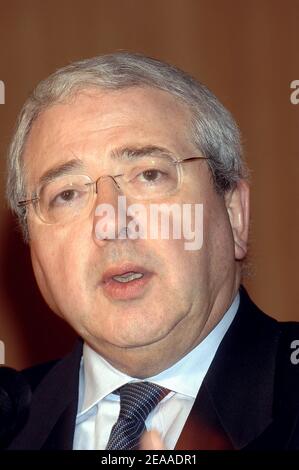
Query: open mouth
(125, 282)
(128, 277)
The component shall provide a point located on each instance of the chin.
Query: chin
(140, 339)
(127, 331)
(126, 340)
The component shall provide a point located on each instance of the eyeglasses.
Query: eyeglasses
(147, 178)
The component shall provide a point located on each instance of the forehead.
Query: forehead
(93, 122)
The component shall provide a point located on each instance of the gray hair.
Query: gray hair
(214, 131)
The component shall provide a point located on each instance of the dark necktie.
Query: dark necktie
(137, 400)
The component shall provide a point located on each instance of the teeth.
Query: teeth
(127, 277)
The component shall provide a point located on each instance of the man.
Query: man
(206, 369)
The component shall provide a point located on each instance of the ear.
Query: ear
(237, 205)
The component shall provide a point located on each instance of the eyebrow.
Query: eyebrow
(122, 153)
(59, 170)
(132, 152)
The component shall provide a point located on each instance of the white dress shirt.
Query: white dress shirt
(98, 407)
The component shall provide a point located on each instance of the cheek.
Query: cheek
(177, 265)
(180, 253)
(42, 263)
(58, 266)
(218, 245)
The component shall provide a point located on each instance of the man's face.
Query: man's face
(184, 293)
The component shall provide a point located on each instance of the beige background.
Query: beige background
(247, 52)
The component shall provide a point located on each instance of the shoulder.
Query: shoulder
(35, 374)
(282, 336)
(288, 360)
(249, 308)
(48, 374)
(281, 341)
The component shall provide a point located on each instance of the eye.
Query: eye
(152, 175)
(65, 197)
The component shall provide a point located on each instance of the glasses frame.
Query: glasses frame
(35, 200)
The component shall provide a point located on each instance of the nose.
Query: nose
(109, 212)
(106, 186)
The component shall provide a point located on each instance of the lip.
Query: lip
(125, 291)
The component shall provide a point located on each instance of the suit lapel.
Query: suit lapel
(203, 430)
(52, 417)
(235, 403)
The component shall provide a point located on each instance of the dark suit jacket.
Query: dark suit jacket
(249, 398)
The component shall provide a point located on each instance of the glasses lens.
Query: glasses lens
(64, 198)
(150, 177)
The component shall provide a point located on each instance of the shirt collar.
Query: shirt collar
(98, 378)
